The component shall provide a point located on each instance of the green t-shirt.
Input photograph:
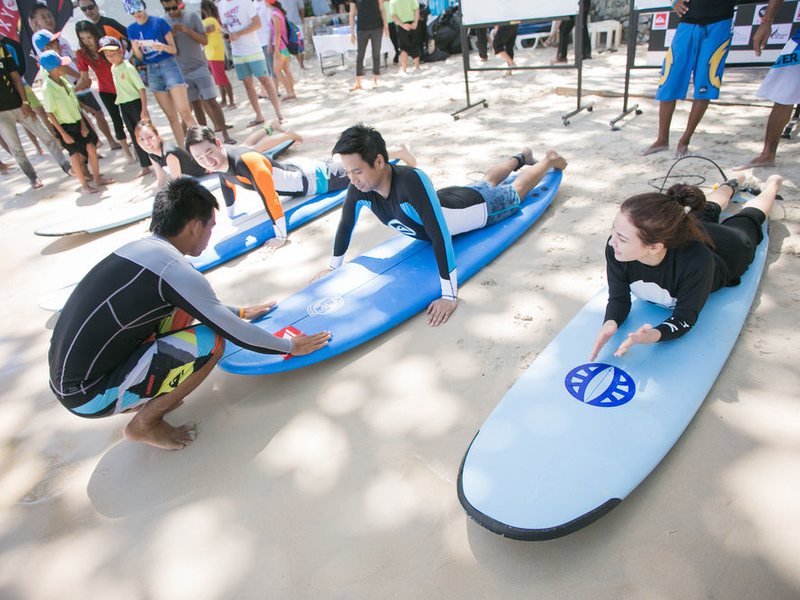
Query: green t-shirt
(61, 101)
(127, 81)
(404, 9)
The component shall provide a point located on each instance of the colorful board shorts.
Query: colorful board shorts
(501, 200)
(158, 366)
(699, 51)
(782, 83)
(217, 68)
(252, 65)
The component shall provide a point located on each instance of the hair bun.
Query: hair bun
(689, 196)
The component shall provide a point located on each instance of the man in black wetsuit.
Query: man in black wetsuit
(404, 198)
(127, 338)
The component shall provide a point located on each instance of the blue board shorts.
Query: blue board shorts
(164, 75)
(252, 65)
(158, 366)
(501, 200)
(698, 50)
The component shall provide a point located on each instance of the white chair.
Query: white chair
(612, 29)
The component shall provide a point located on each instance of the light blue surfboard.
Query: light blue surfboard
(382, 288)
(111, 213)
(571, 439)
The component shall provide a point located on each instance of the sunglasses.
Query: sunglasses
(88, 7)
(172, 8)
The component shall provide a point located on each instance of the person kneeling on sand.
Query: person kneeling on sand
(143, 328)
(404, 198)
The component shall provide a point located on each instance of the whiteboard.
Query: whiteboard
(479, 12)
(651, 4)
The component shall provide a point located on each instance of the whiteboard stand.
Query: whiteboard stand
(577, 65)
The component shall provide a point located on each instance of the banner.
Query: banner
(61, 11)
(9, 19)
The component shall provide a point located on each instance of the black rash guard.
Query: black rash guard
(705, 12)
(253, 171)
(413, 209)
(120, 303)
(681, 282)
(188, 165)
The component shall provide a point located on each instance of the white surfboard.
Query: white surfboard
(572, 438)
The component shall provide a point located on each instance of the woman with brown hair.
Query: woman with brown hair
(672, 250)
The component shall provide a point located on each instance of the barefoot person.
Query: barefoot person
(404, 198)
(244, 167)
(698, 50)
(781, 85)
(126, 339)
(670, 249)
(63, 111)
(372, 28)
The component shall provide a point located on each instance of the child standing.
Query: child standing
(63, 111)
(131, 94)
(215, 52)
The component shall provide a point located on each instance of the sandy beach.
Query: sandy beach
(339, 481)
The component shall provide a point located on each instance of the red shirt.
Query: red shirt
(101, 68)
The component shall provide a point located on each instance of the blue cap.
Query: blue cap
(50, 60)
(43, 37)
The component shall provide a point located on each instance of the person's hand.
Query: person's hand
(761, 37)
(233, 36)
(407, 26)
(681, 7)
(320, 275)
(180, 28)
(440, 310)
(27, 111)
(276, 242)
(306, 344)
(250, 313)
(68, 139)
(159, 46)
(386, 32)
(145, 116)
(644, 335)
(352, 38)
(84, 129)
(137, 44)
(608, 329)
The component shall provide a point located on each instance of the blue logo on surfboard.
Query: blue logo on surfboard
(600, 384)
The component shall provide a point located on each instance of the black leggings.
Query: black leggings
(131, 114)
(110, 101)
(374, 37)
(735, 239)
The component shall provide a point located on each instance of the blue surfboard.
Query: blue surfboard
(111, 214)
(571, 439)
(382, 288)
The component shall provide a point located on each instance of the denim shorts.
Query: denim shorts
(268, 60)
(164, 75)
(250, 66)
(501, 200)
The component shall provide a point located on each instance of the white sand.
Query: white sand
(339, 482)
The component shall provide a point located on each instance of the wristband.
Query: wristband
(241, 313)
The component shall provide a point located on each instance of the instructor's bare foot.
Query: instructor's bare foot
(404, 153)
(681, 150)
(656, 146)
(776, 181)
(556, 160)
(160, 434)
(760, 161)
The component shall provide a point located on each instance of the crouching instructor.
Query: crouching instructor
(143, 329)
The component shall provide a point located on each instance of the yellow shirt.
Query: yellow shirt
(215, 49)
(61, 101)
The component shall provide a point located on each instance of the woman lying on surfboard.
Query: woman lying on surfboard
(670, 249)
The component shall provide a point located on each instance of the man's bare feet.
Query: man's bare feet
(681, 150)
(101, 181)
(556, 160)
(36, 184)
(88, 188)
(289, 97)
(657, 146)
(160, 434)
(759, 161)
(356, 87)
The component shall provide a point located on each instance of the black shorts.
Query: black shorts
(504, 39)
(79, 146)
(408, 41)
(736, 238)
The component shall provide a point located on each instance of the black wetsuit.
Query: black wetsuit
(188, 165)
